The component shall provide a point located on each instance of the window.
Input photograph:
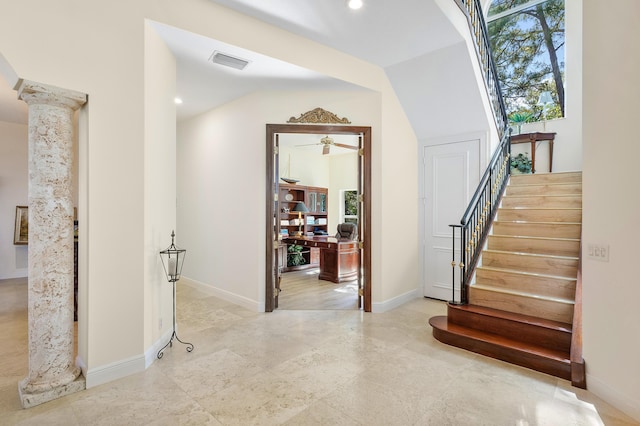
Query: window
(349, 207)
(527, 39)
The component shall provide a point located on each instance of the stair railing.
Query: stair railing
(480, 36)
(477, 219)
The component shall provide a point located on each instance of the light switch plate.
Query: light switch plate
(598, 252)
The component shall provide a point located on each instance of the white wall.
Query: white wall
(14, 181)
(308, 166)
(221, 184)
(98, 48)
(160, 187)
(611, 201)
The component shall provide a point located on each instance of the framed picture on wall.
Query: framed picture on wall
(21, 231)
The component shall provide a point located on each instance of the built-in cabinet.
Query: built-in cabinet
(313, 222)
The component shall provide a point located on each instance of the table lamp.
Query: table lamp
(300, 207)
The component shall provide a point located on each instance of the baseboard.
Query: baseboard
(117, 370)
(151, 354)
(380, 307)
(622, 402)
(245, 302)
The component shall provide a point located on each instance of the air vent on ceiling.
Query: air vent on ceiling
(228, 60)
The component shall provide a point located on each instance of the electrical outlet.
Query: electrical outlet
(598, 252)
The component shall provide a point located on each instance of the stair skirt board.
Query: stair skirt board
(551, 362)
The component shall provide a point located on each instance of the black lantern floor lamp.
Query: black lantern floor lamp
(172, 261)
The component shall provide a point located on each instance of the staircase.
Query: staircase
(521, 305)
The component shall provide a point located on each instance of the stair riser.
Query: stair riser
(561, 189)
(541, 308)
(535, 264)
(551, 230)
(567, 201)
(527, 333)
(541, 215)
(543, 178)
(513, 356)
(539, 246)
(541, 286)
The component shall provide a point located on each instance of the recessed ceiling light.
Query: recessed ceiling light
(355, 4)
(178, 101)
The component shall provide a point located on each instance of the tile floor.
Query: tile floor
(316, 368)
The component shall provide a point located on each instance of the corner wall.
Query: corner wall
(221, 181)
(14, 183)
(611, 201)
(160, 188)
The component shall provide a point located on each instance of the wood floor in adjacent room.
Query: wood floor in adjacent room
(303, 290)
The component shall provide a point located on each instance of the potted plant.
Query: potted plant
(521, 163)
(294, 255)
(519, 118)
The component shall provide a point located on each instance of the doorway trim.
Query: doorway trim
(365, 217)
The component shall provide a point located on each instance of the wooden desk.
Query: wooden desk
(533, 138)
(339, 259)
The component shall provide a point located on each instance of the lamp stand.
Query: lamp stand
(174, 335)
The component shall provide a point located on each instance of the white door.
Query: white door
(451, 173)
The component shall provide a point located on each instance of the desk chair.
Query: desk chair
(347, 231)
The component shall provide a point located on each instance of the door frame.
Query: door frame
(365, 212)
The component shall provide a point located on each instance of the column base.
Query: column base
(36, 398)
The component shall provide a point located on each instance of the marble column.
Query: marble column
(52, 371)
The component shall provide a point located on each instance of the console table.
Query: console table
(533, 138)
(339, 259)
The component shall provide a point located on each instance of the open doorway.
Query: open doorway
(312, 210)
(316, 172)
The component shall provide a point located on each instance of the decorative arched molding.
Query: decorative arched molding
(319, 116)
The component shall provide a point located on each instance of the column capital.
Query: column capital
(37, 93)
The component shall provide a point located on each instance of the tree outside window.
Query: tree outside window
(350, 206)
(527, 40)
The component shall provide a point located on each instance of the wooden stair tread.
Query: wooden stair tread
(541, 208)
(514, 317)
(530, 222)
(525, 273)
(441, 323)
(550, 256)
(522, 294)
(536, 238)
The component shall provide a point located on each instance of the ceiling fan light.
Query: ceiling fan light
(326, 140)
(325, 149)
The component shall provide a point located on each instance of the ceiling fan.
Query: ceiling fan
(326, 143)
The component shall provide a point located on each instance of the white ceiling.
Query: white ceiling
(384, 32)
